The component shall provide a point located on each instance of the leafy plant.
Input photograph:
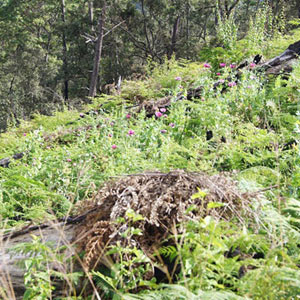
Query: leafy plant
(39, 273)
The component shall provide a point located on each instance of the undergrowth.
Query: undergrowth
(249, 129)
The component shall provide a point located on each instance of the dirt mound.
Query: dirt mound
(153, 203)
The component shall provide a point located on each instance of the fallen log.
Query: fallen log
(4, 162)
(58, 234)
(11, 273)
(282, 63)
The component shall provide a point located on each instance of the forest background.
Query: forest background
(50, 49)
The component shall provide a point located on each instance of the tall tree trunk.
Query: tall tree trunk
(188, 29)
(98, 51)
(149, 46)
(65, 57)
(91, 14)
(174, 37)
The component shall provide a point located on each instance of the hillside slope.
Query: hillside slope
(245, 128)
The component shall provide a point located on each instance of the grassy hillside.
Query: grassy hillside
(247, 131)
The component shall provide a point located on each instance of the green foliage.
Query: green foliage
(263, 36)
(255, 136)
(227, 31)
(179, 292)
(271, 282)
(257, 34)
(124, 275)
(39, 274)
(129, 267)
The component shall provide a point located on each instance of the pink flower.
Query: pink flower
(249, 87)
(69, 159)
(252, 65)
(158, 114)
(128, 116)
(163, 110)
(165, 116)
(110, 135)
(131, 132)
(232, 66)
(172, 125)
(222, 65)
(163, 131)
(218, 73)
(221, 80)
(112, 123)
(24, 134)
(202, 99)
(178, 78)
(231, 84)
(114, 146)
(206, 65)
(81, 115)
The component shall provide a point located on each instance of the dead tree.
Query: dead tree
(11, 273)
(284, 62)
(64, 46)
(98, 52)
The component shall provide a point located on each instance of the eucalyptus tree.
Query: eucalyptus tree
(54, 51)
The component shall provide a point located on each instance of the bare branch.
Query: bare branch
(116, 26)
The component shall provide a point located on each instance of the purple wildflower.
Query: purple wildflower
(69, 159)
(163, 131)
(163, 110)
(206, 65)
(252, 65)
(114, 146)
(81, 115)
(232, 66)
(218, 73)
(128, 116)
(231, 84)
(222, 65)
(172, 125)
(24, 134)
(158, 114)
(221, 80)
(131, 132)
(178, 78)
